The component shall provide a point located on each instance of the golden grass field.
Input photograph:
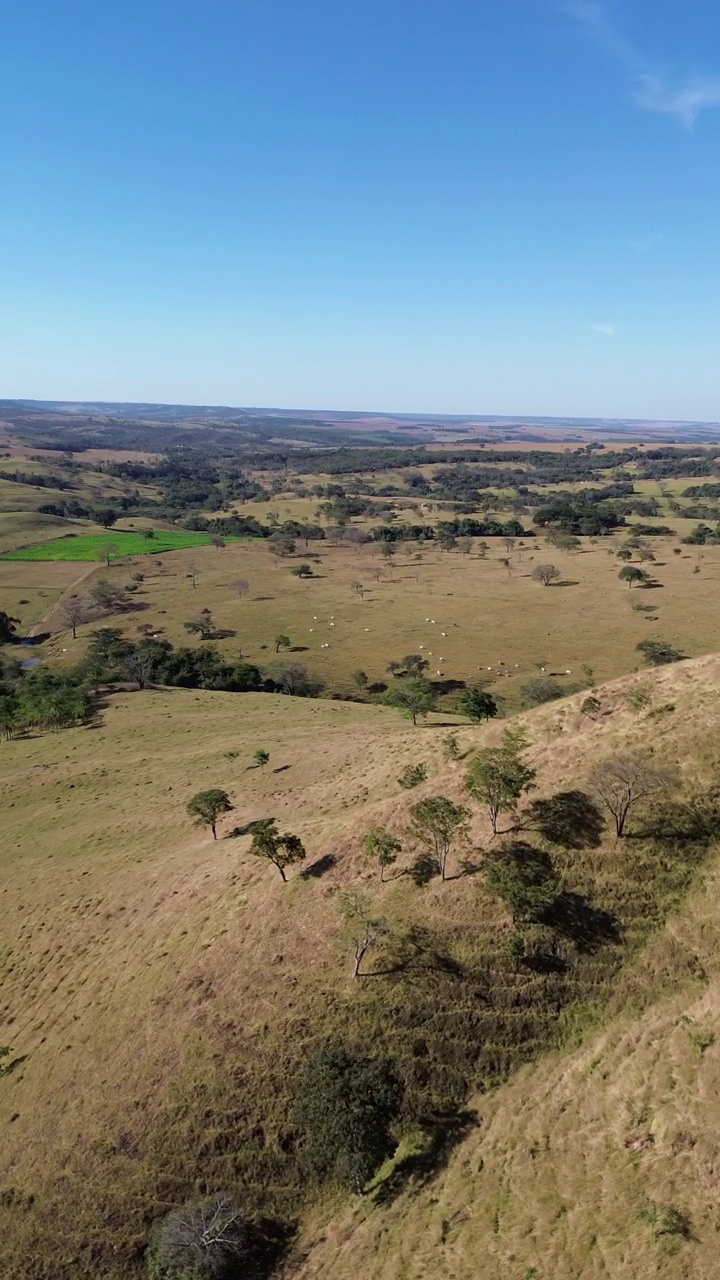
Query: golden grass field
(147, 971)
(156, 986)
(489, 615)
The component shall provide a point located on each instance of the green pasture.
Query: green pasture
(115, 543)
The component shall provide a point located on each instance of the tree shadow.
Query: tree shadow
(247, 830)
(448, 686)
(423, 869)
(319, 867)
(282, 768)
(299, 648)
(378, 687)
(590, 928)
(544, 962)
(263, 597)
(570, 819)
(564, 582)
(448, 1131)
(223, 633)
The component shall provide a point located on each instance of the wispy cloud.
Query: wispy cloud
(601, 326)
(653, 87)
(644, 243)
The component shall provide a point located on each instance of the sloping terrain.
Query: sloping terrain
(160, 992)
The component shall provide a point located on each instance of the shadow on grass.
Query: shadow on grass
(418, 1167)
(570, 819)
(319, 867)
(588, 927)
(247, 830)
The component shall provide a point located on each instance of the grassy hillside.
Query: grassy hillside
(161, 992)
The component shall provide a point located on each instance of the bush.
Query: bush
(524, 878)
(412, 776)
(203, 1240)
(346, 1106)
(542, 689)
(659, 653)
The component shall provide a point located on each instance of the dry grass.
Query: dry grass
(487, 614)
(157, 986)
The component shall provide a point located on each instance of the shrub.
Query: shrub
(412, 776)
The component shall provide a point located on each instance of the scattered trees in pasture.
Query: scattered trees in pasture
(412, 697)
(545, 573)
(283, 850)
(206, 807)
(498, 777)
(438, 824)
(622, 782)
(381, 844)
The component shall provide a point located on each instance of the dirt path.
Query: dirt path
(68, 591)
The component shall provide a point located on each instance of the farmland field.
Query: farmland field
(94, 546)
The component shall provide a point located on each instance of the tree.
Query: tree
(360, 678)
(625, 553)
(138, 667)
(106, 518)
(217, 541)
(412, 697)
(631, 575)
(148, 534)
(465, 546)
(8, 627)
(203, 625)
(623, 781)
(412, 776)
(209, 1239)
(207, 806)
(261, 758)
(73, 612)
(281, 850)
(413, 664)
(498, 777)
(509, 544)
(295, 680)
(282, 642)
(437, 824)
(545, 573)
(477, 705)
(658, 653)
(192, 572)
(346, 1107)
(281, 544)
(303, 571)
(241, 586)
(358, 588)
(363, 930)
(107, 596)
(108, 550)
(382, 844)
(525, 879)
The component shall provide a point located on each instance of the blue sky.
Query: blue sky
(443, 206)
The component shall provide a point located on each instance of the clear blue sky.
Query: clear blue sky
(443, 205)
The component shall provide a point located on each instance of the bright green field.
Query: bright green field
(94, 546)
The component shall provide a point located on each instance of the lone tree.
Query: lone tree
(382, 844)
(73, 612)
(282, 642)
(207, 806)
(303, 571)
(281, 850)
(625, 553)
(209, 1238)
(217, 541)
(108, 550)
(545, 573)
(498, 777)
(623, 781)
(261, 758)
(658, 653)
(203, 625)
(437, 824)
(363, 929)
(477, 705)
(361, 679)
(632, 576)
(412, 697)
(241, 585)
(346, 1107)
(109, 597)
